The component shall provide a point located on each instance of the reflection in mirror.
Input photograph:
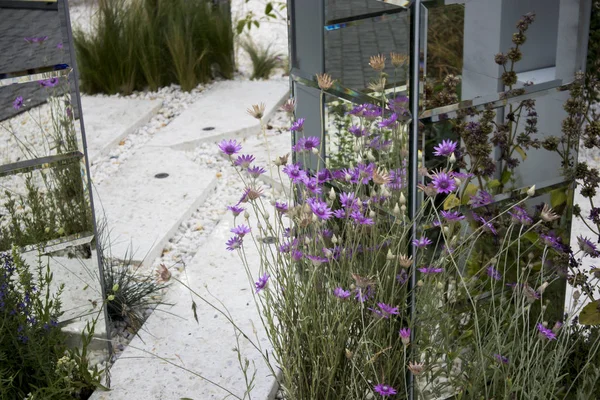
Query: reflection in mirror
(36, 120)
(348, 50)
(346, 9)
(44, 205)
(478, 49)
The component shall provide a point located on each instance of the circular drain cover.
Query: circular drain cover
(208, 128)
(162, 175)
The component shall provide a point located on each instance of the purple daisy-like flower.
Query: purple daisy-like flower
(357, 131)
(319, 208)
(348, 200)
(51, 82)
(282, 208)
(397, 179)
(421, 242)
(443, 183)
(241, 230)
(234, 243)
(18, 103)
(501, 359)
(363, 295)
(445, 149)
(388, 122)
(256, 171)
(230, 147)
(311, 142)
(398, 105)
(452, 216)
(587, 246)
(361, 219)
(341, 213)
(493, 273)
(317, 260)
(372, 111)
(324, 175)
(262, 282)
(487, 225)
(313, 185)
(520, 216)
(405, 336)
(297, 255)
(59, 46)
(545, 332)
(296, 174)
(384, 390)
(341, 293)
(236, 210)
(298, 125)
(244, 161)
(402, 277)
(482, 198)
(430, 270)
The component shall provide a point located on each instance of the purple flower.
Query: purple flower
(545, 332)
(308, 143)
(482, 198)
(341, 293)
(384, 390)
(402, 277)
(493, 273)
(430, 270)
(236, 210)
(297, 255)
(297, 125)
(40, 39)
(363, 295)
(361, 219)
(422, 242)
(323, 175)
(365, 172)
(244, 161)
(357, 131)
(296, 174)
(282, 208)
(387, 310)
(391, 121)
(319, 208)
(443, 183)
(348, 200)
(399, 104)
(445, 149)
(234, 243)
(59, 46)
(587, 246)
(501, 359)
(520, 216)
(256, 171)
(51, 82)
(405, 336)
(241, 230)
(18, 103)
(452, 216)
(397, 179)
(317, 260)
(313, 185)
(551, 240)
(230, 147)
(262, 282)
(487, 225)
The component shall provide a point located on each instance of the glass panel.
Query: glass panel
(349, 48)
(307, 36)
(462, 40)
(30, 37)
(36, 120)
(341, 9)
(44, 205)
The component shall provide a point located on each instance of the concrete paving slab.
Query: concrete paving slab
(204, 347)
(142, 210)
(108, 120)
(222, 107)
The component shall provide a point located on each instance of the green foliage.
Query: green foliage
(35, 359)
(264, 61)
(154, 43)
(593, 56)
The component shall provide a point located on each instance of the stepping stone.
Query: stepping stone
(144, 208)
(204, 347)
(220, 113)
(109, 120)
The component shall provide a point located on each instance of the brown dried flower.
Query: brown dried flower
(257, 110)
(281, 160)
(381, 176)
(377, 62)
(325, 81)
(416, 368)
(163, 274)
(547, 214)
(398, 59)
(378, 85)
(405, 261)
(289, 106)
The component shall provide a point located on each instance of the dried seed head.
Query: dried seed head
(325, 81)
(405, 261)
(282, 160)
(381, 176)
(377, 62)
(378, 85)
(547, 214)
(289, 106)
(398, 59)
(257, 110)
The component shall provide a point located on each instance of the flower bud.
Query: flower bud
(314, 150)
(542, 287)
(246, 215)
(372, 214)
(115, 287)
(446, 230)
(389, 255)
(440, 286)
(531, 191)
(370, 156)
(332, 194)
(334, 239)
(452, 158)
(111, 297)
(420, 283)
(306, 240)
(402, 199)
(403, 209)
(396, 210)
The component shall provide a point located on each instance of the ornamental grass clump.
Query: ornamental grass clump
(485, 262)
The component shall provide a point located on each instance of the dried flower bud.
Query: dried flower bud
(289, 106)
(501, 59)
(509, 78)
(452, 159)
(314, 150)
(389, 255)
(542, 287)
(334, 239)
(377, 62)
(420, 283)
(331, 194)
(514, 54)
(325, 82)
(519, 38)
(531, 191)
(396, 210)
(402, 199)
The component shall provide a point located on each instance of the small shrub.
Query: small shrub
(264, 61)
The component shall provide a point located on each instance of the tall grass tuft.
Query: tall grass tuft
(154, 43)
(264, 61)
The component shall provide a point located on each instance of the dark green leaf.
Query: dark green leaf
(590, 314)
(194, 306)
